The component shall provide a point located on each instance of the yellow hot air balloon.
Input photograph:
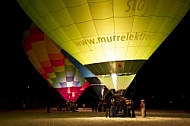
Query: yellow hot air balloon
(110, 37)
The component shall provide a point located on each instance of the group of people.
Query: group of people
(94, 107)
(124, 106)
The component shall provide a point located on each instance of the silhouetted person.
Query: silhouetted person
(93, 106)
(114, 109)
(108, 107)
(132, 109)
(128, 103)
(96, 107)
(48, 107)
(23, 105)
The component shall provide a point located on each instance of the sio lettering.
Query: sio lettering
(137, 5)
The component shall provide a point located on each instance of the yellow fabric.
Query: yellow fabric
(94, 31)
(122, 81)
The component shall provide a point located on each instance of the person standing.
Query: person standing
(128, 103)
(23, 105)
(96, 107)
(132, 109)
(93, 107)
(83, 105)
(143, 108)
(108, 107)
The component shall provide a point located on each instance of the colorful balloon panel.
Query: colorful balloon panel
(72, 93)
(85, 72)
(52, 64)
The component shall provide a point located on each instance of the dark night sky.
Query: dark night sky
(166, 72)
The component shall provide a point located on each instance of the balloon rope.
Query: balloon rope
(125, 92)
(134, 89)
(92, 95)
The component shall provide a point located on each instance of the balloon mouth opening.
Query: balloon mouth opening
(118, 92)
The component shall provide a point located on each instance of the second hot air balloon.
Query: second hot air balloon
(47, 58)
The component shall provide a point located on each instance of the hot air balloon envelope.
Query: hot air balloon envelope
(47, 58)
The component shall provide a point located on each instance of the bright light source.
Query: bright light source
(114, 80)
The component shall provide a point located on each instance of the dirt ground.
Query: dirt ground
(87, 117)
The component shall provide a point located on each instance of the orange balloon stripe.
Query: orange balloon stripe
(45, 64)
(41, 70)
(57, 56)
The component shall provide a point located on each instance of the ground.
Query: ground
(86, 117)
